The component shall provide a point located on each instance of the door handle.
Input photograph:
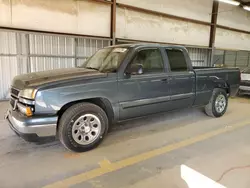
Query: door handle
(164, 80)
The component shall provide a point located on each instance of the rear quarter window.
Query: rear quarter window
(177, 61)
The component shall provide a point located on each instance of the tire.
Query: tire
(211, 108)
(77, 124)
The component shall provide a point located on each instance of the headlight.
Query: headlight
(28, 93)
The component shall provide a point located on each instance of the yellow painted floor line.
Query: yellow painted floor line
(106, 166)
(105, 163)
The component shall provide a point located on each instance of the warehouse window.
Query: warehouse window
(177, 60)
(150, 59)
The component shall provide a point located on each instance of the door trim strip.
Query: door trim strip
(143, 102)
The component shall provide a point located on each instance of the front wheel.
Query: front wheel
(218, 103)
(82, 127)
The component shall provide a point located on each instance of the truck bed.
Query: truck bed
(229, 75)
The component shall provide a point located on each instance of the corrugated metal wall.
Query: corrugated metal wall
(22, 52)
(239, 59)
(200, 56)
(27, 52)
(242, 59)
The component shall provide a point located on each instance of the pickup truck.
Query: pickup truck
(244, 88)
(117, 83)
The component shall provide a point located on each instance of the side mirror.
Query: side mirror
(134, 69)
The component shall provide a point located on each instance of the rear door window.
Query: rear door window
(177, 61)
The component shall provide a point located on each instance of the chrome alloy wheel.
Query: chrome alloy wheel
(220, 103)
(86, 129)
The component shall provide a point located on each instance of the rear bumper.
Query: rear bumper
(32, 129)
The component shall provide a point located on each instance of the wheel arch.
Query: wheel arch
(222, 84)
(103, 103)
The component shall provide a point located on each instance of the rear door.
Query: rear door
(181, 78)
(146, 92)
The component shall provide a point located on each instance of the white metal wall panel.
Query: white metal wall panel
(218, 58)
(22, 65)
(142, 26)
(234, 17)
(51, 45)
(51, 52)
(230, 58)
(21, 53)
(48, 63)
(242, 59)
(87, 47)
(8, 43)
(8, 61)
(194, 9)
(232, 40)
(9, 67)
(199, 56)
(80, 61)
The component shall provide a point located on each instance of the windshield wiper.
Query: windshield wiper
(92, 68)
(109, 70)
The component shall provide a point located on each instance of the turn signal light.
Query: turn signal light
(28, 111)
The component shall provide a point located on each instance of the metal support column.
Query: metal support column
(248, 61)
(224, 58)
(113, 22)
(75, 51)
(213, 23)
(213, 27)
(27, 46)
(235, 61)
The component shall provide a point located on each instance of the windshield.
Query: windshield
(247, 71)
(106, 59)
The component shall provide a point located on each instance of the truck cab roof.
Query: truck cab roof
(143, 45)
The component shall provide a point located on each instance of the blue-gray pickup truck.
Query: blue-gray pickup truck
(78, 105)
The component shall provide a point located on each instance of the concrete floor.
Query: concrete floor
(143, 153)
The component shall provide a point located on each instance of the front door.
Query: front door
(147, 91)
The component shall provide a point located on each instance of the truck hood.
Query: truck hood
(37, 79)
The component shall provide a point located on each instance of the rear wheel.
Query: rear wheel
(82, 127)
(218, 103)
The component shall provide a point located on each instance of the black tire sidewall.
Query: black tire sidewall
(68, 124)
(217, 93)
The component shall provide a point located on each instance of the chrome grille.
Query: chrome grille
(12, 103)
(14, 97)
(14, 92)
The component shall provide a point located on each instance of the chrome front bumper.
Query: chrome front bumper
(245, 88)
(31, 128)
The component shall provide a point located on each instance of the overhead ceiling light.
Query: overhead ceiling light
(246, 8)
(232, 2)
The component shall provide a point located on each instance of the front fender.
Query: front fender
(52, 100)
